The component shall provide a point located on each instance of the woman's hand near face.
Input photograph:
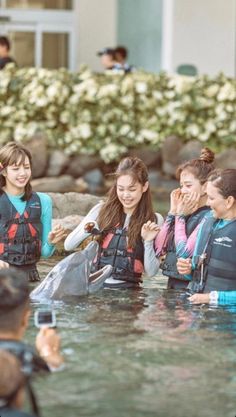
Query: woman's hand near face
(175, 197)
(200, 298)
(149, 231)
(56, 235)
(184, 266)
(188, 203)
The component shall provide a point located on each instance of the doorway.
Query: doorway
(40, 37)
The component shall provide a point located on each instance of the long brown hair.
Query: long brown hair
(199, 167)
(112, 214)
(14, 153)
(225, 181)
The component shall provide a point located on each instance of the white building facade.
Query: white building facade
(159, 34)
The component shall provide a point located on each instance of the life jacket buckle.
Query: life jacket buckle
(121, 252)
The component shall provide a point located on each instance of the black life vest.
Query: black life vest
(13, 412)
(168, 266)
(127, 263)
(31, 362)
(20, 235)
(217, 249)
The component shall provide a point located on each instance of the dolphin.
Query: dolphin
(72, 277)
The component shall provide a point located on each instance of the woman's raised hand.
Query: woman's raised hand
(56, 235)
(175, 196)
(188, 203)
(149, 230)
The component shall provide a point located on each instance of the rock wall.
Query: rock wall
(84, 173)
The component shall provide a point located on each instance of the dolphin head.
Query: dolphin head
(71, 277)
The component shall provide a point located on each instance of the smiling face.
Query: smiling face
(220, 205)
(190, 184)
(17, 176)
(129, 192)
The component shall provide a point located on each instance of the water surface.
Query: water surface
(142, 353)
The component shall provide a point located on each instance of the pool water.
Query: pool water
(140, 353)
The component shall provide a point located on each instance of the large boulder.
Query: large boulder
(72, 203)
(226, 159)
(58, 161)
(190, 150)
(151, 158)
(69, 222)
(170, 152)
(38, 149)
(81, 164)
(61, 184)
(95, 181)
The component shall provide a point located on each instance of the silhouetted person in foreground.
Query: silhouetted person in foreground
(12, 386)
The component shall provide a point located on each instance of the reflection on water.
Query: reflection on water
(142, 353)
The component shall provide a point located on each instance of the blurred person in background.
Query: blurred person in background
(5, 57)
(107, 56)
(121, 55)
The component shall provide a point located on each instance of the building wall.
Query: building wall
(139, 27)
(96, 29)
(204, 35)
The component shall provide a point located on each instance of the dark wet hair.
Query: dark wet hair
(112, 212)
(225, 181)
(199, 167)
(14, 153)
(4, 41)
(14, 298)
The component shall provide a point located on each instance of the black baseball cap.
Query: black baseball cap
(106, 51)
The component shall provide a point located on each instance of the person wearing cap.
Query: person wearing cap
(107, 56)
(12, 386)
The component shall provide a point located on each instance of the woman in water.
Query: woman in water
(214, 258)
(126, 226)
(25, 216)
(188, 208)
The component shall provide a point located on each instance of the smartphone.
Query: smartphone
(45, 318)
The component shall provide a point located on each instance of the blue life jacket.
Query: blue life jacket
(217, 259)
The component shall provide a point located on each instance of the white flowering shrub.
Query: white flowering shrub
(109, 113)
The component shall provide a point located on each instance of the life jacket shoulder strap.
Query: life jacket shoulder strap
(205, 239)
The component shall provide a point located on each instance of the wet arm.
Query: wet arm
(151, 262)
(78, 234)
(46, 220)
(226, 297)
(184, 245)
(162, 237)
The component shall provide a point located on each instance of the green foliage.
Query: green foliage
(109, 113)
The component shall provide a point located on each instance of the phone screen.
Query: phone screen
(45, 318)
